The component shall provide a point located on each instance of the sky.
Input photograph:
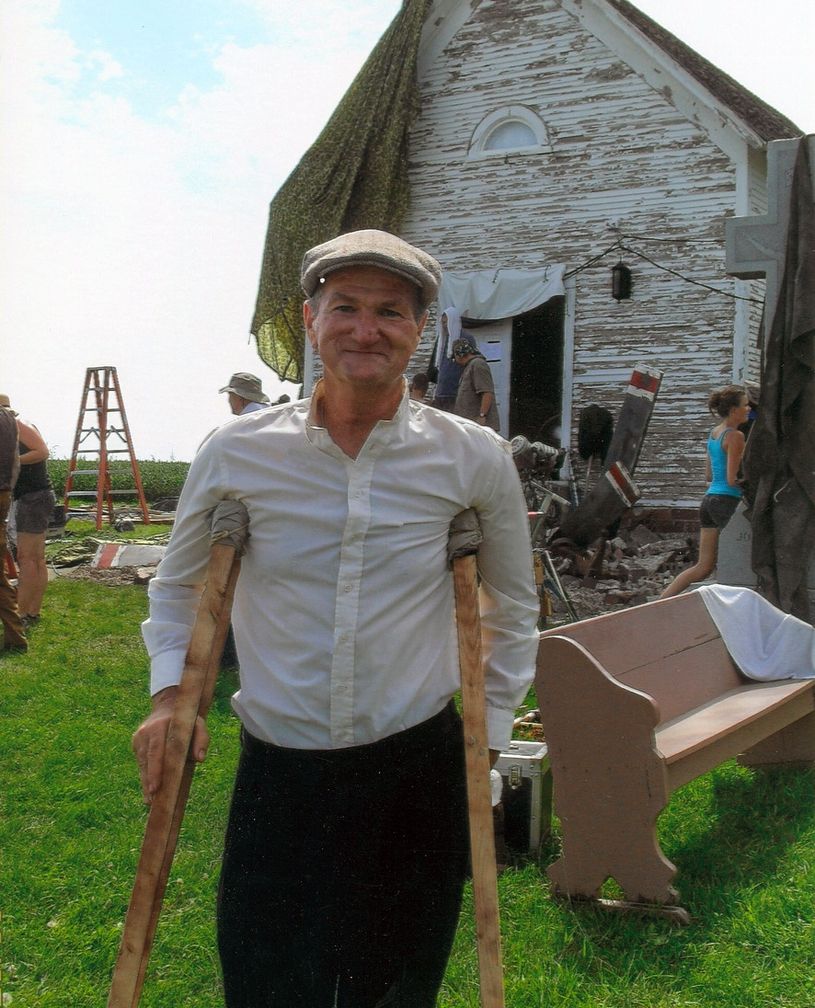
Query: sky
(140, 144)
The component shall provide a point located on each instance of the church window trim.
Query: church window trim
(513, 129)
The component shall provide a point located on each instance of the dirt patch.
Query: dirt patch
(113, 576)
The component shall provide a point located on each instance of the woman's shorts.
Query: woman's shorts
(34, 511)
(716, 510)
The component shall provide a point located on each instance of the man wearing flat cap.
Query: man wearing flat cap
(346, 848)
(245, 393)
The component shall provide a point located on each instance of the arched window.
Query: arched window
(514, 129)
(510, 135)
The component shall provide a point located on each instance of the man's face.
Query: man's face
(365, 328)
(236, 403)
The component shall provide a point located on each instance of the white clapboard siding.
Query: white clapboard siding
(622, 155)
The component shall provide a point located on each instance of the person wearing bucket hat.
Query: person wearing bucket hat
(346, 845)
(5, 403)
(245, 393)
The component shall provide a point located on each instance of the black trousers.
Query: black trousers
(343, 871)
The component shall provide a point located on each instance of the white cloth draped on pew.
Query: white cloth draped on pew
(764, 642)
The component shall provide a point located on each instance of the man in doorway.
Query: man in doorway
(346, 849)
(245, 393)
(475, 398)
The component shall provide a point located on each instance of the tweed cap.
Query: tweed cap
(372, 248)
(247, 386)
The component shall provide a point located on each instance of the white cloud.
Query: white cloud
(106, 66)
(137, 242)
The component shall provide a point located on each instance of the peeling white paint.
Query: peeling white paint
(625, 150)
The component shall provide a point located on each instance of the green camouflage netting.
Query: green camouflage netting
(353, 176)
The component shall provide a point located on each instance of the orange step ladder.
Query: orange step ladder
(102, 416)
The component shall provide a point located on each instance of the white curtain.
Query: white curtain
(500, 293)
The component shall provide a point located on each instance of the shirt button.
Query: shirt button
(347, 588)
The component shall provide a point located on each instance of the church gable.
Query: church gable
(549, 130)
(558, 137)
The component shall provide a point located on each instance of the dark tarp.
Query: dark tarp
(779, 463)
(355, 175)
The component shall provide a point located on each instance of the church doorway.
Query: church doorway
(536, 373)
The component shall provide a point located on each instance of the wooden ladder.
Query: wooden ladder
(101, 406)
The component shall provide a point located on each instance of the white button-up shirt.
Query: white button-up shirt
(344, 613)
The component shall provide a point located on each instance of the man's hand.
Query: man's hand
(150, 738)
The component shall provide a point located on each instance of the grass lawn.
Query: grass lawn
(71, 822)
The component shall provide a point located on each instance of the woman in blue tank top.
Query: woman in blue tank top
(725, 447)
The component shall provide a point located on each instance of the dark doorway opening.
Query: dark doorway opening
(536, 375)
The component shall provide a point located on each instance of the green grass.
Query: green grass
(71, 822)
(72, 818)
(79, 528)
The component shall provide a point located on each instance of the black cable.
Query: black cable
(696, 283)
(619, 244)
(593, 260)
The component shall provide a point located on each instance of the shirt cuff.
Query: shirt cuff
(166, 670)
(499, 727)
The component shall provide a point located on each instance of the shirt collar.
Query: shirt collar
(384, 432)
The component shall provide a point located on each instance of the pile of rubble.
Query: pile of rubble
(106, 560)
(635, 566)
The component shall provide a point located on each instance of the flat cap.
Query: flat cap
(372, 248)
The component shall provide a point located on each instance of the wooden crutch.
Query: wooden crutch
(465, 537)
(230, 523)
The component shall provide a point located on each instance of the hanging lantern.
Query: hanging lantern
(620, 282)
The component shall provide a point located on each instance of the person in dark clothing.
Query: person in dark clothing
(418, 387)
(34, 506)
(13, 631)
(444, 371)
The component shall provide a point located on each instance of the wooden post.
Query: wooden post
(479, 803)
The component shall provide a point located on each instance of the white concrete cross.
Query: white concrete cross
(756, 245)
